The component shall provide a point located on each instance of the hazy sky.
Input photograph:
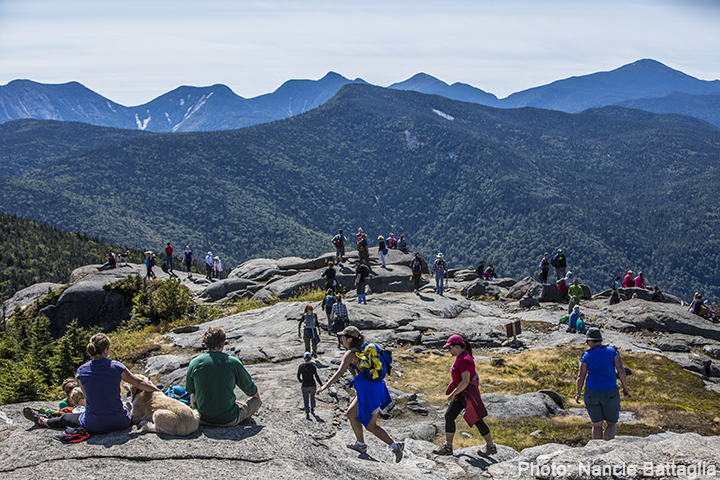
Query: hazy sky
(132, 51)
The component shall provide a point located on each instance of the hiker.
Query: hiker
(361, 272)
(311, 331)
(370, 399)
(382, 250)
(698, 307)
(559, 262)
(640, 280)
(339, 241)
(339, 317)
(149, 263)
(211, 378)
(306, 374)
(489, 272)
(628, 281)
(575, 292)
(208, 265)
(188, 260)
(602, 399)
(463, 394)
(327, 305)
(544, 268)
(573, 319)
(480, 269)
(417, 264)
(362, 248)
(391, 242)
(439, 269)
(657, 295)
(402, 244)
(100, 379)
(329, 275)
(110, 263)
(217, 267)
(359, 234)
(614, 291)
(169, 257)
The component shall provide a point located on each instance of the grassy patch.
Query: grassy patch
(663, 395)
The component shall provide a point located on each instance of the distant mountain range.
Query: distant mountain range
(616, 188)
(646, 84)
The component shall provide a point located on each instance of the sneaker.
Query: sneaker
(445, 449)
(487, 450)
(32, 415)
(398, 452)
(357, 447)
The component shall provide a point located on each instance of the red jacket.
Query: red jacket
(628, 281)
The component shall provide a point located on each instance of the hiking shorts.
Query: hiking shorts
(340, 252)
(603, 405)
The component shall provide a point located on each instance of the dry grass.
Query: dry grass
(663, 395)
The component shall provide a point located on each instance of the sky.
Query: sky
(132, 51)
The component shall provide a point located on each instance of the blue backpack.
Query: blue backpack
(375, 363)
(178, 393)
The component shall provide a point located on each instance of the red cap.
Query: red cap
(454, 340)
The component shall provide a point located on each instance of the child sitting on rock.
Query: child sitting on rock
(67, 386)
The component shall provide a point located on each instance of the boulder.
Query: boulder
(296, 263)
(222, 288)
(26, 296)
(163, 364)
(528, 302)
(529, 287)
(502, 282)
(475, 289)
(463, 275)
(516, 406)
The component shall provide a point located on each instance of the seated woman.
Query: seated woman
(698, 307)
(100, 380)
(489, 272)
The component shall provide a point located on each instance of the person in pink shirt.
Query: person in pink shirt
(628, 281)
(640, 280)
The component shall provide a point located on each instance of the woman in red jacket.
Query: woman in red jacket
(463, 393)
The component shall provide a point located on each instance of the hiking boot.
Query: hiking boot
(398, 452)
(487, 450)
(445, 449)
(357, 447)
(32, 415)
(307, 416)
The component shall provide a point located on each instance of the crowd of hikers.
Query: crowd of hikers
(94, 404)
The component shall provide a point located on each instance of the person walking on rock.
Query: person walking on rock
(327, 305)
(544, 268)
(306, 374)
(560, 263)
(439, 269)
(361, 272)
(329, 275)
(149, 264)
(169, 257)
(463, 394)
(208, 265)
(382, 250)
(339, 317)
(311, 332)
(370, 399)
(575, 292)
(188, 257)
(602, 399)
(339, 241)
(417, 264)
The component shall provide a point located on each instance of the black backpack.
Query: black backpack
(416, 265)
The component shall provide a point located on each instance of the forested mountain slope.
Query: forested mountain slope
(616, 189)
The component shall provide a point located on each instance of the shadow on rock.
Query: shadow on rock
(239, 432)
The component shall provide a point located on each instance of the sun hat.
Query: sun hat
(454, 340)
(593, 334)
(440, 255)
(350, 332)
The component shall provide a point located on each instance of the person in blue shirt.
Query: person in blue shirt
(602, 399)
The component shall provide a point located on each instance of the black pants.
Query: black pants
(67, 420)
(543, 276)
(416, 279)
(452, 412)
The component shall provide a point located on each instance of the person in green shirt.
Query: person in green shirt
(67, 386)
(576, 293)
(212, 377)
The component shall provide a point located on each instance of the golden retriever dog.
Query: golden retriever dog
(159, 413)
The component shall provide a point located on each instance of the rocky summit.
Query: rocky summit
(282, 444)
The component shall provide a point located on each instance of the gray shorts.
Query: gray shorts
(603, 405)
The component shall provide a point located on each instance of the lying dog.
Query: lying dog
(161, 414)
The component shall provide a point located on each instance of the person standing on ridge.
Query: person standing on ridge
(361, 272)
(339, 241)
(575, 292)
(217, 267)
(208, 265)
(382, 250)
(417, 264)
(544, 268)
(362, 248)
(329, 275)
(188, 260)
(169, 257)
(149, 263)
(602, 399)
(614, 291)
(560, 263)
(439, 269)
(306, 374)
